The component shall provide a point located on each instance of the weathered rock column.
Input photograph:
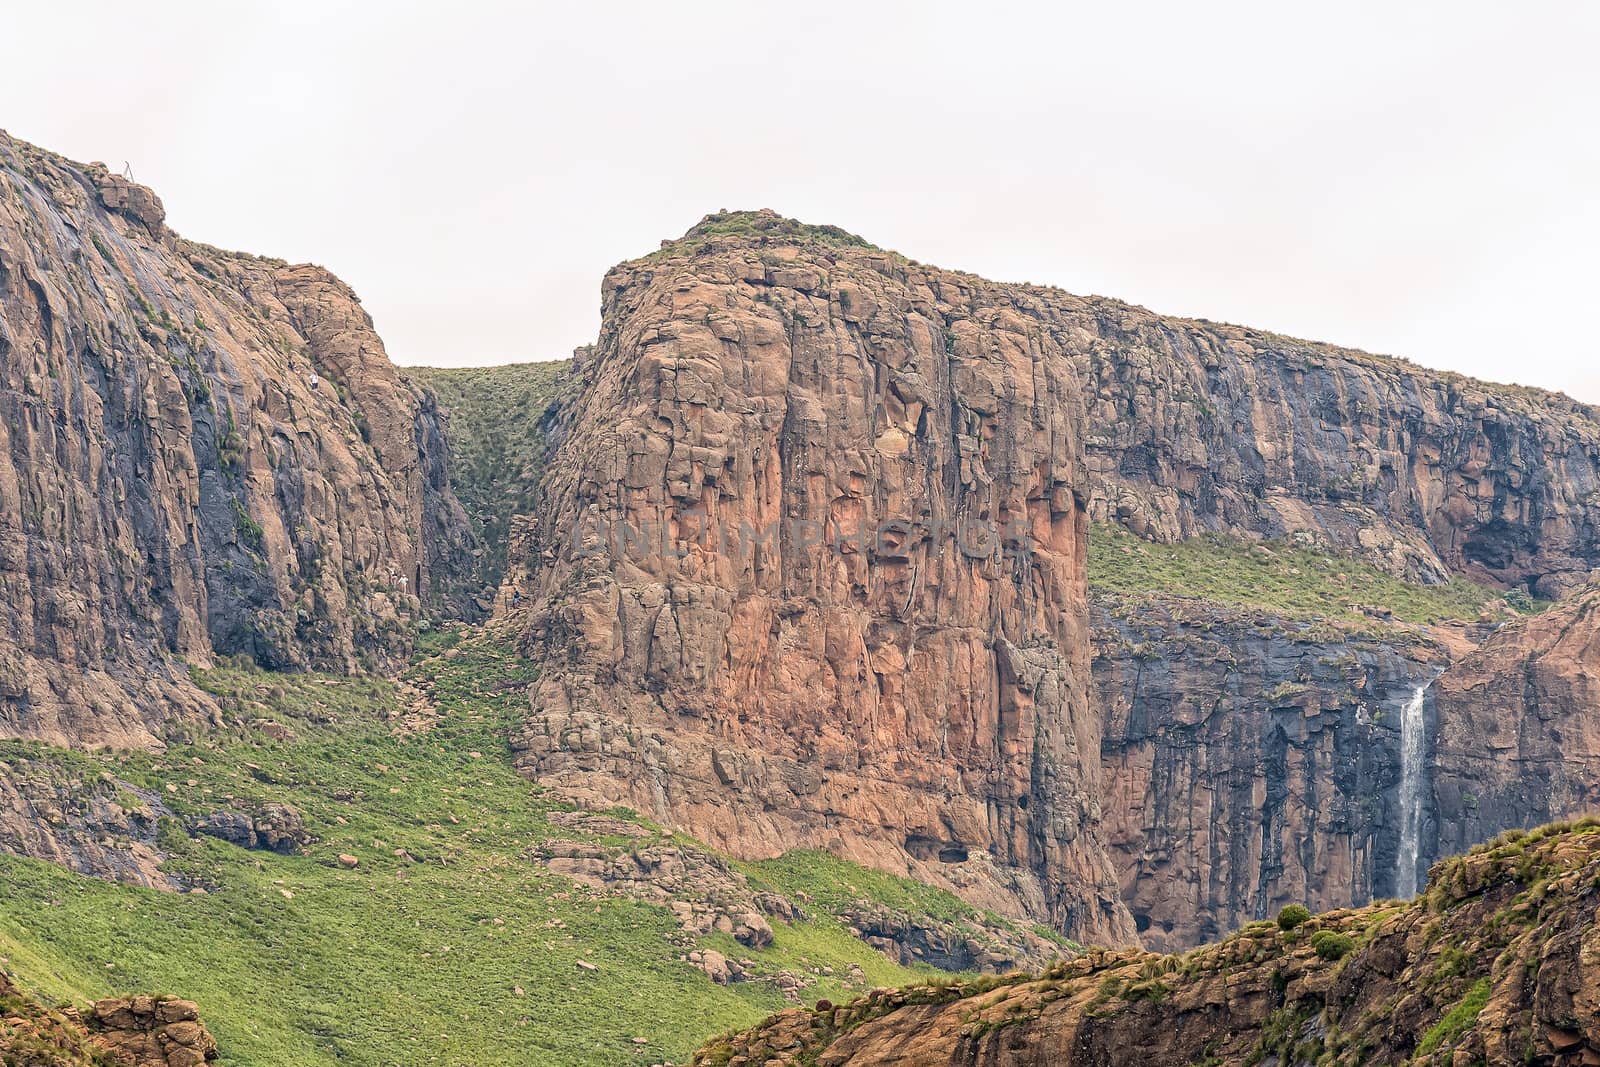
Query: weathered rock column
(811, 572)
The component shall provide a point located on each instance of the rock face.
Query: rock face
(151, 1032)
(1250, 762)
(126, 1031)
(201, 452)
(81, 821)
(1518, 727)
(275, 828)
(811, 570)
(775, 377)
(1499, 963)
(1196, 426)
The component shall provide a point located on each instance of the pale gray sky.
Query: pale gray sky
(1419, 179)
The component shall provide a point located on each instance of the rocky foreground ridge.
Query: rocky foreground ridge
(201, 453)
(1498, 962)
(116, 1032)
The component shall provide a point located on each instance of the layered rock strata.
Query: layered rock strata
(1515, 739)
(1250, 762)
(1196, 426)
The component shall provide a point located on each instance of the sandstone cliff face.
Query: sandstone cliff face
(830, 651)
(1518, 726)
(1499, 963)
(1249, 762)
(758, 374)
(1196, 426)
(172, 484)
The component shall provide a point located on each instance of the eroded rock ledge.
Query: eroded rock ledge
(138, 1031)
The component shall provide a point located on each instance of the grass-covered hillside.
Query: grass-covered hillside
(426, 921)
(496, 434)
(1279, 578)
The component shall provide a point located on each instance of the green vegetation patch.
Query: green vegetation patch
(496, 434)
(448, 942)
(1458, 1020)
(1275, 576)
(760, 227)
(835, 884)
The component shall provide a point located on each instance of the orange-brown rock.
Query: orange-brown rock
(136, 1031)
(1498, 964)
(811, 570)
(759, 371)
(200, 452)
(151, 1032)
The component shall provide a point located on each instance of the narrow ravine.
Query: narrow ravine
(1413, 768)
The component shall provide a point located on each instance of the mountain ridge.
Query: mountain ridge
(208, 465)
(765, 224)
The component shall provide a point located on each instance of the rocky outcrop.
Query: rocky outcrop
(124, 1031)
(707, 895)
(275, 828)
(1195, 426)
(811, 570)
(1517, 738)
(1499, 963)
(201, 453)
(76, 817)
(1251, 761)
(151, 1032)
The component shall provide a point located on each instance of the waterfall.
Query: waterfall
(1413, 766)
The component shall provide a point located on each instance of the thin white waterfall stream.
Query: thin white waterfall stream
(1413, 767)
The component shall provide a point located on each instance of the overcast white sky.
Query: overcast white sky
(1419, 179)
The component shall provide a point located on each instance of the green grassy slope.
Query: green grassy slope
(497, 444)
(414, 958)
(1278, 578)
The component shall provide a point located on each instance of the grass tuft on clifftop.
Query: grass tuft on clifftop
(759, 227)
